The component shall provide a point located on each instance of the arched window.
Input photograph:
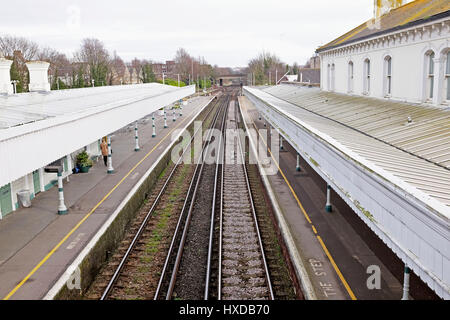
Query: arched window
(333, 76)
(350, 76)
(367, 76)
(429, 75)
(387, 76)
(329, 77)
(447, 77)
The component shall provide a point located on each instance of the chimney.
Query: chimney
(5, 76)
(382, 7)
(38, 76)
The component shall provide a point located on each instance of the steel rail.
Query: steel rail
(261, 247)
(124, 259)
(219, 160)
(198, 171)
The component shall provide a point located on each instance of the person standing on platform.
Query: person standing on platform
(104, 147)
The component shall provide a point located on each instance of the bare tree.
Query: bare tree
(183, 63)
(94, 53)
(265, 66)
(9, 45)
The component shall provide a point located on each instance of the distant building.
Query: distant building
(314, 62)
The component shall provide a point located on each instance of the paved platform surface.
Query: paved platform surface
(29, 235)
(334, 251)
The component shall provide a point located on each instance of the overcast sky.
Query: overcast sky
(226, 33)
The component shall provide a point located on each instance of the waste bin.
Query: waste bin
(24, 198)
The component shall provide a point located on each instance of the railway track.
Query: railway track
(170, 272)
(133, 244)
(213, 248)
(243, 271)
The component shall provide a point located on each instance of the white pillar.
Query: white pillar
(62, 209)
(165, 118)
(5, 76)
(298, 163)
(41, 179)
(153, 125)
(406, 283)
(38, 76)
(136, 137)
(110, 167)
(328, 206)
(69, 166)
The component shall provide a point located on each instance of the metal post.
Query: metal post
(110, 167)
(136, 137)
(265, 125)
(154, 127)
(407, 272)
(62, 209)
(281, 143)
(174, 115)
(328, 207)
(165, 118)
(298, 163)
(181, 108)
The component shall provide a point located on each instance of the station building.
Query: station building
(378, 129)
(402, 54)
(44, 127)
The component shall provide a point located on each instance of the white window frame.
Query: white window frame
(387, 87)
(351, 76)
(430, 74)
(367, 76)
(329, 77)
(446, 86)
(333, 77)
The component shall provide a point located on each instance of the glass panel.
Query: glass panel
(431, 87)
(389, 66)
(448, 88)
(431, 64)
(448, 63)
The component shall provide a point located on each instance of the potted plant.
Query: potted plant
(83, 161)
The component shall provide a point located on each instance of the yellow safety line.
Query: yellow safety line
(350, 292)
(336, 268)
(37, 267)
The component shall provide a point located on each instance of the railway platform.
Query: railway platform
(37, 245)
(330, 251)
